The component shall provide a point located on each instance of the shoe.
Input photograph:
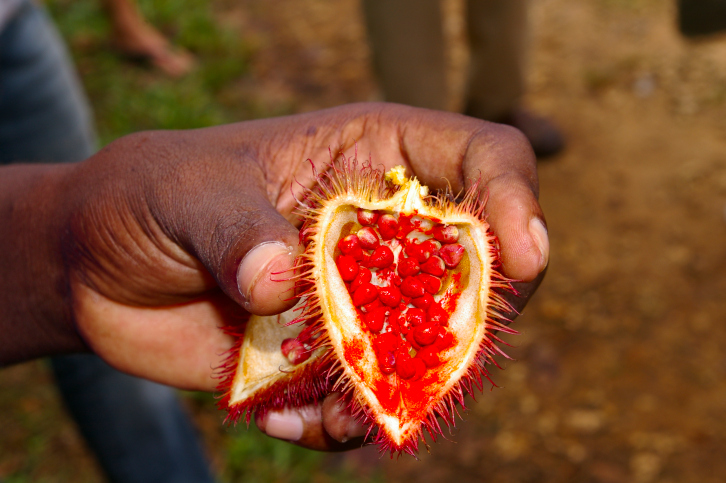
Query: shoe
(545, 138)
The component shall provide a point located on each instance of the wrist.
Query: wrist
(35, 311)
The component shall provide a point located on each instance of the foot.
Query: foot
(544, 136)
(141, 41)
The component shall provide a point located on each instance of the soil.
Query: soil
(619, 372)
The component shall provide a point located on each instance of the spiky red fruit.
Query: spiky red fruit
(398, 309)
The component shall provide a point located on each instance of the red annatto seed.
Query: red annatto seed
(387, 226)
(367, 217)
(364, 275)
(381, 257)
(420, 368)
(430, 283)
(432, 245)
(434, 266)
(412, 287)
(444, 339)
(425, 252)
(294, 350)
(393, 318)
(419, 251)
(415, 316)
(390, 296)
(452, 254)
(349, 245)
(396, 280)
(347, 267)
(368, 308)
(387, 363)
(408, 267)
(385, 346)
(430, 356)
(405, 226)
(425, 334)
(404, 325)
(412, 340)
(375, 319)
(446, 233)
(365, 294)
(411, 248)
(405, 368)
(423, 302)
(414, 365)
(359, 254)
(368, 238)
(388, 369)
(437, 315)
(385, 342)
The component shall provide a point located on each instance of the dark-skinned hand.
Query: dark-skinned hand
(142, 252)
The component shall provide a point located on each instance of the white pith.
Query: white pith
(261, 362)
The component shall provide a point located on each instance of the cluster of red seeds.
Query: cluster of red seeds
(393, 272)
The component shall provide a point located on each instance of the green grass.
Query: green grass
(251, 457)
(129, 97)
(254, 458)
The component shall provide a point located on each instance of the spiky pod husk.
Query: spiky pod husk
(254, 381)
(342, 358)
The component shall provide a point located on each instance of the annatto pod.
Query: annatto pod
(399, 308)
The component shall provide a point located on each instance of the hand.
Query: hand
(167, 236)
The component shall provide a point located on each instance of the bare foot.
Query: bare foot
(144, 42)
(135, 38)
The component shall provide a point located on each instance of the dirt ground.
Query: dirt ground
(620, 372)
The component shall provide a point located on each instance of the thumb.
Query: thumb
(259, 263)
(264, 276)
(246, 245)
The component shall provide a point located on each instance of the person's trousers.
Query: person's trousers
(137, 429)
(407, 42)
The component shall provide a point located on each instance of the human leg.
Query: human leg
(44, 115)
(135, 37)
(407, 42)
(137, 429)
(498, 42)
(498, 36)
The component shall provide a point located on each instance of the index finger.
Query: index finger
(460, 151)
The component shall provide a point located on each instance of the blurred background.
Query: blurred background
(620, 372)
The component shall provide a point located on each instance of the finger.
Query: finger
(338, 421)
(506, 169)
(325, 427)
(234, 230)
(251, 253)
(457, 151)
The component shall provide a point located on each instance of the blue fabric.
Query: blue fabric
(44, 115)
(137, 429)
